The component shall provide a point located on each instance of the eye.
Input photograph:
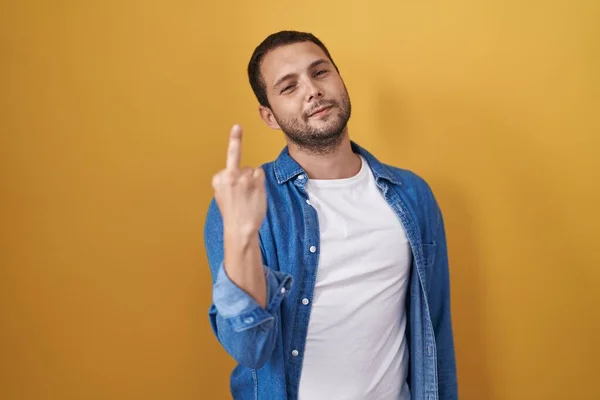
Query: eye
(288, 88)
(321, 72)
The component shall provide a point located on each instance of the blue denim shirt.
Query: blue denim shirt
(268, 343)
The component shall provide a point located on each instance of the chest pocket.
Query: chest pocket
(429, 250)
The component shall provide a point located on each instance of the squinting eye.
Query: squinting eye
(321, 72)
(286, 88)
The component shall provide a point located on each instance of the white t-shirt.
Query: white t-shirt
(356, 344)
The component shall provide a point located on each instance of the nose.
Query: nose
(313, 91)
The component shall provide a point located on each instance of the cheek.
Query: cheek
(341, 91)
(337, 88)
(289, 109)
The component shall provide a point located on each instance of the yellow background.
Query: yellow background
(114, 116)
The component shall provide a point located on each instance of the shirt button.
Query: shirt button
(305, 301)
(295, 353)
(313, 249)
(249, 320)
(308, 202)
(282, 290)
(301, 177)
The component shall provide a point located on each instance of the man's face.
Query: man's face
(308, 98)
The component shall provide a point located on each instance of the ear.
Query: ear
(267, 115)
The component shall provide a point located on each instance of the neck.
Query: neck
(340, 163)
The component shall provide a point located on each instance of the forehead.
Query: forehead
(291, 58)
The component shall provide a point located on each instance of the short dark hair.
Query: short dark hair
(272, 42)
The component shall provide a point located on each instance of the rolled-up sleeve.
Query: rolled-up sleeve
(239, 309)
(247, 331)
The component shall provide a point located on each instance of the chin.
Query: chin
(329, 125)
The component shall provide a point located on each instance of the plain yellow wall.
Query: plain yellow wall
(114, 116)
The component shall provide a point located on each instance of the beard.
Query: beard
(322, 139)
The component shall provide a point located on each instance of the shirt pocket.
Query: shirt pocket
(429, 250)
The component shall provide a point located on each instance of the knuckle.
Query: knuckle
(245, 175)
(224, 178)
(216, 180)
(228, 180)
(244, 179)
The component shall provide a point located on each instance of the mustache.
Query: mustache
(316, 106)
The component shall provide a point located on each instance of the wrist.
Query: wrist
(240, 237)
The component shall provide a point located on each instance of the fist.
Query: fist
(240, 192)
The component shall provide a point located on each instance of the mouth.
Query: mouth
(320, 111)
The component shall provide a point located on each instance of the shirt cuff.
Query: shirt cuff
(239, 308)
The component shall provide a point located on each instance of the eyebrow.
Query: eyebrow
(293, 74)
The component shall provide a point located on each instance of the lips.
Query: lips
(318, 110)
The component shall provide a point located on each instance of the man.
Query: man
(330, 271)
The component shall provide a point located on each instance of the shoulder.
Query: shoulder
(411, 181)
(419, 198)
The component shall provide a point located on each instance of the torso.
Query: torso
(355, 345)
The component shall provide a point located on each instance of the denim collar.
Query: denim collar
(287, 168)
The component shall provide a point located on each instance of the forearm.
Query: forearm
(246, 330)
(244, 324)
(243, 264)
